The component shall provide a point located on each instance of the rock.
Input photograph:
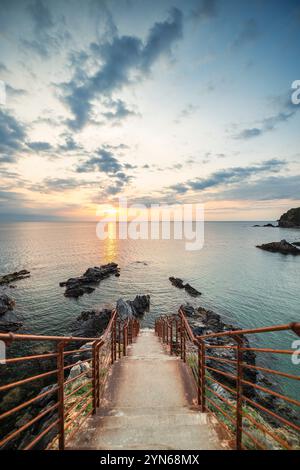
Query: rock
(290, 219)
(6, 303)
(280, 247)
(191, 290)
(78, 286)
(16, 276)
(79, 369)
(133, 308)
(177, 282)
(265, 225)
(91, 323)
(6, 327)
(296, 243)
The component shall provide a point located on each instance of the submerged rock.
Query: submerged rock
(290, 219)
(16, 276)
(280, 247)
(177, 282)
(78, 286)
(6, 303)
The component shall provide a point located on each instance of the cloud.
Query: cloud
(104, 161)
(248, 33)
(3, 67)
(119, 111)
(121, 60)
(14, 92)
(205, 9)
(270, 123)
(39, 146)
(229, 176)
(12, 136)
(48, 33)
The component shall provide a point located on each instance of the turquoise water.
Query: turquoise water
(247, 286)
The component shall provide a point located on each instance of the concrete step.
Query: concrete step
(122, 420)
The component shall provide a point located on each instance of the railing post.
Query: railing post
(181, 338)
(61, 405)
(98, 348)
(112, 344)
(184, 345)
(239, 392)
(115, 338)
(171, 338)
(95, 382)
(202, 375)
(124, 340)
(119, 339)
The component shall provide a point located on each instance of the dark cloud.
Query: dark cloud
(48, 33)
(205, 9)
(119, 111)
(14, 92)
(270, 123)
(3, 67)
(40, 146)
(104, 161)
(12, 136)
(249, 32)
(122, 59)
(229, 176)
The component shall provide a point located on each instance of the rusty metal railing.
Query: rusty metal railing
(68, 401)
(229, 396)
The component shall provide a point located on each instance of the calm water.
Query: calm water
(249, 287)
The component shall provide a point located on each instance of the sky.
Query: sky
(166, 102)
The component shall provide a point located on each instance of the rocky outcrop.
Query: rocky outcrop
(280, 247)
(290, 219)
(296, 243)
(78, 286)
(91, 323)
(265, 225)
(177, 282)
(16, 276)
(6, 303)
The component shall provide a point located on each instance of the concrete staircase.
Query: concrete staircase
(150, 403)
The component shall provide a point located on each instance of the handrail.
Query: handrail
(176, 332)
(65, 417)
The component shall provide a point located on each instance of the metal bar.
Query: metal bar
(272, 392)
(199, 376)
(18, 337)
(119, 342)
(171, 338)
(202, 369)
(272, 371)
(77, 402)
(25, 381)
(27, 425)
(41, 435)
(221, 359)
(220, 397)
(60, 382)
(221, 411)
(239, 394)
(67, 396)
(269, 350)
(265, 430)
(78, 363)
(271, 413)
(94, 391)
(226, 374)
(266, 329)
(231, 390)
(29, 358)
(27, 403)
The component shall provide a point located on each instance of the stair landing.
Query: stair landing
(150, 403)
